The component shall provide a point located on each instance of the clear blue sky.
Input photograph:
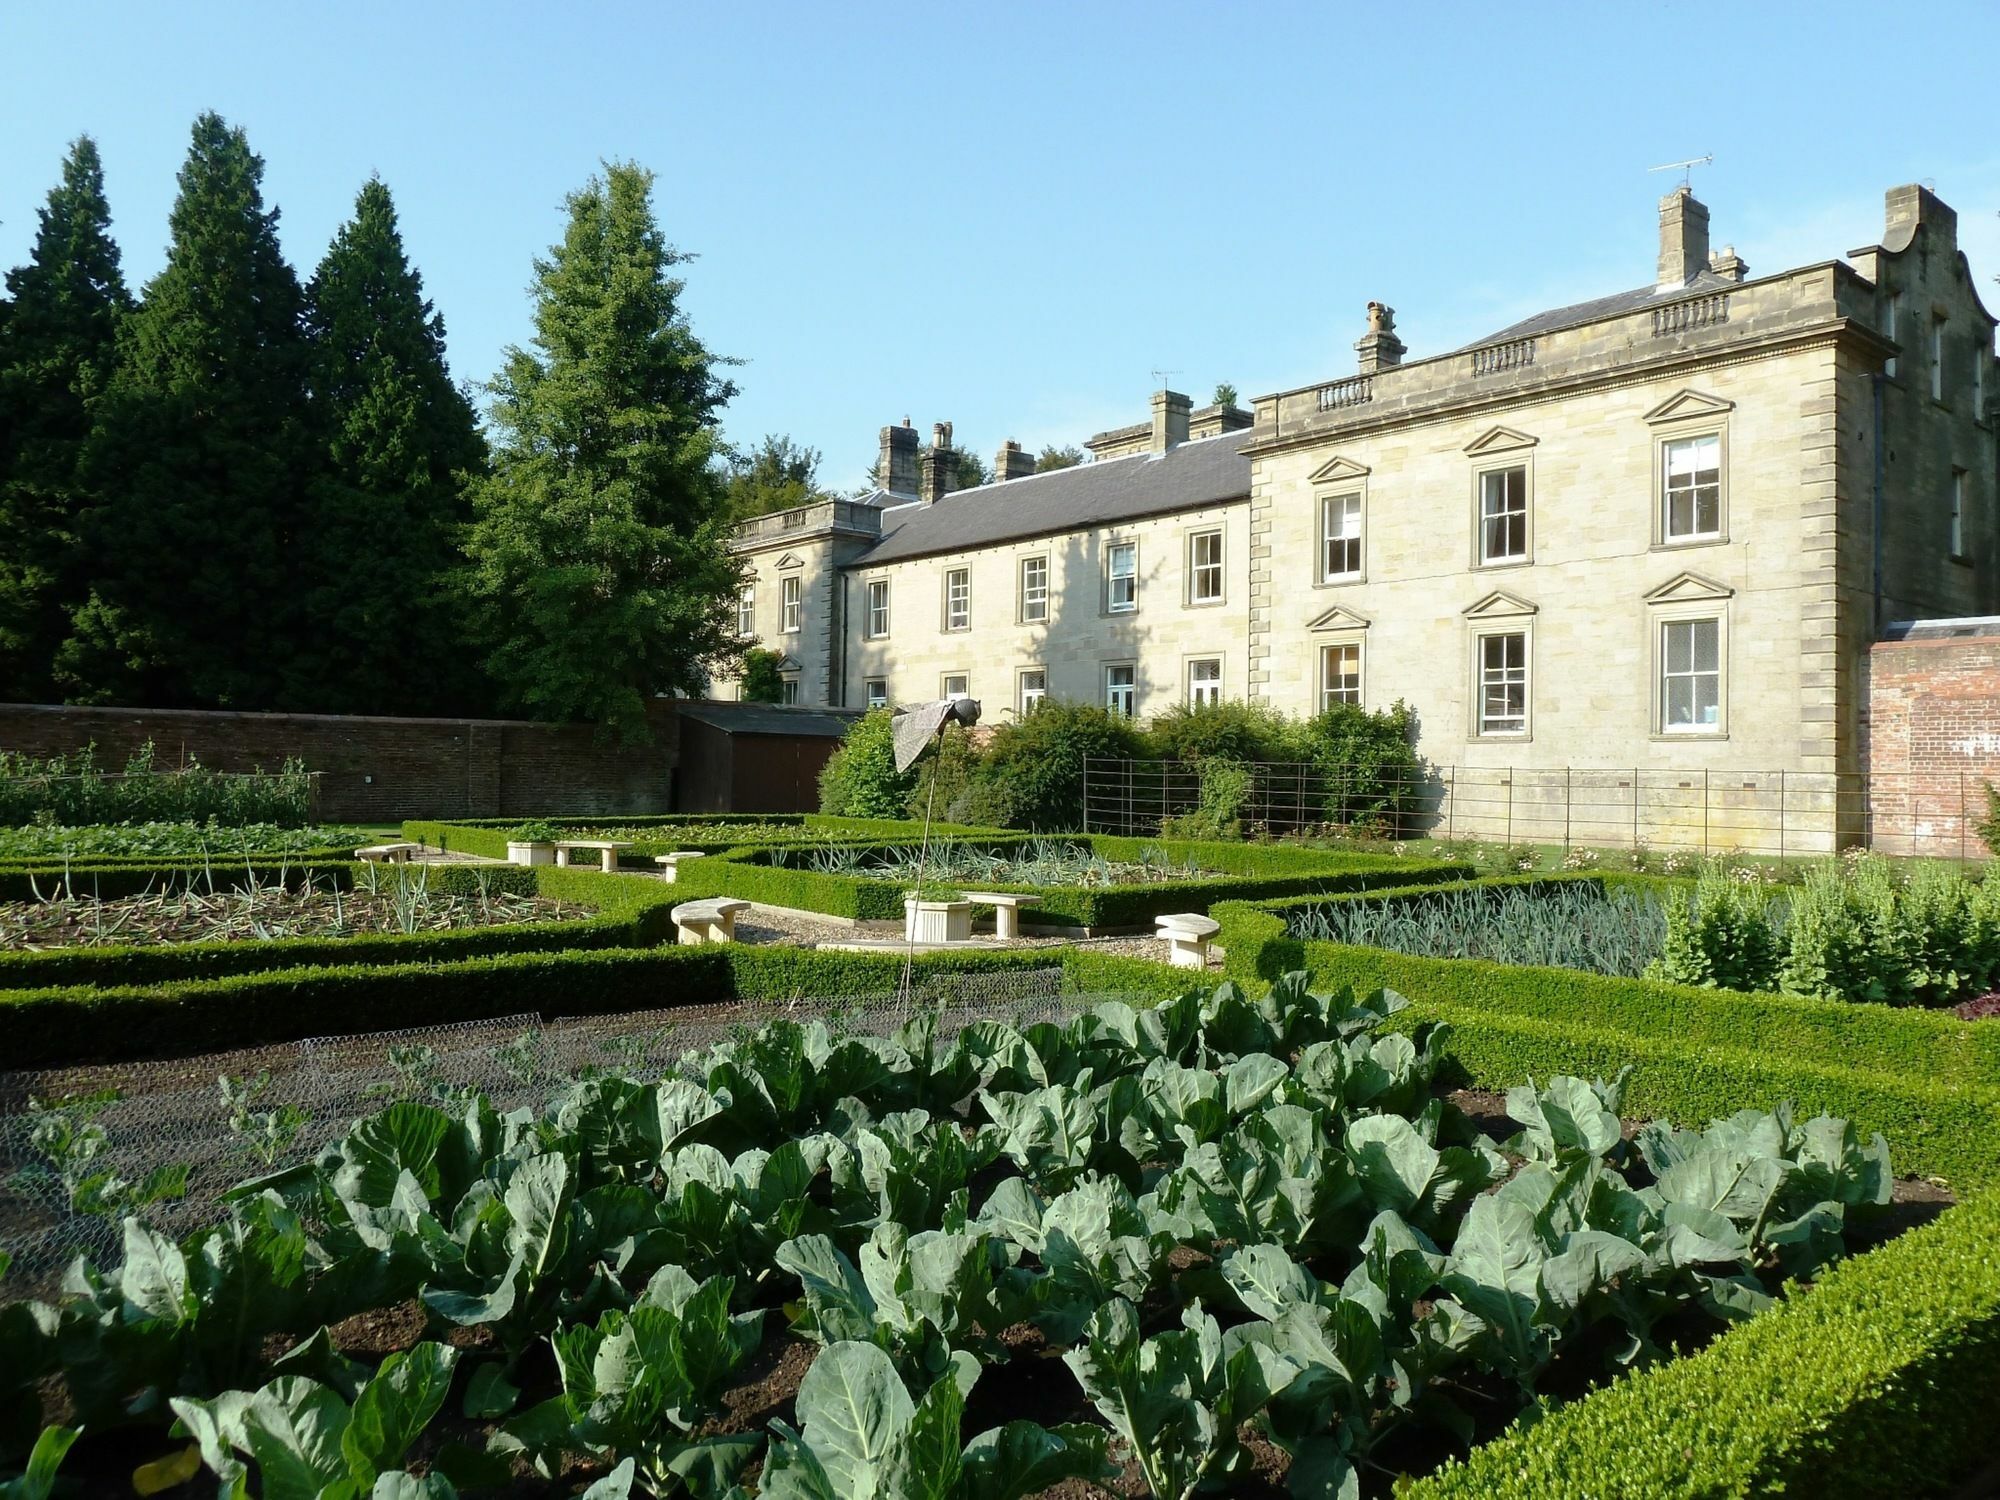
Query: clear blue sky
(1009, 216)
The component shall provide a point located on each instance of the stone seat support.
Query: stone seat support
(605, 849)
(712, 921)
(1006, 910)
(670, 863)
(392, 854)
(1187, 937)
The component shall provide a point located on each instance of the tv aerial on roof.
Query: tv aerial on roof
(1685, 168)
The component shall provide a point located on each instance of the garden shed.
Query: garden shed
(755, 757)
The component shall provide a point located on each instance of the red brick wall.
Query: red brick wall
(379, 769)
(1932, 742)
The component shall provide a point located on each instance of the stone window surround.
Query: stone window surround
(965, 621)
(1023, 705)
(871, 697)
(788, 688)
(1955, 537)
(868, 623)
(1021, 615)
(1499, 464)
(1220, 566)
(746, 611)
(962, 677)
(1191, 660)
(1658, 617)
(1689, 414)
(1105, 604)
(1323, 496)
(1481, 632)
(1129, 690)
(791, 606)
(1358, 643)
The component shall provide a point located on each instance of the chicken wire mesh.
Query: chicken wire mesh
(83, 1147)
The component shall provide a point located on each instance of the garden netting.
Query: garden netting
(80, 1148)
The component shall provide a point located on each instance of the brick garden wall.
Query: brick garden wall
(1932, 742)
(381, 769)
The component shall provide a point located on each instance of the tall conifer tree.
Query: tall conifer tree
(600, 561)
(381, 541)
(199, 458)
(58, 345)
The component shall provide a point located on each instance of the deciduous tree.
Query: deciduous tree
(777, 474)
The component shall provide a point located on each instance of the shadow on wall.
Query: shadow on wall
(1081, 641)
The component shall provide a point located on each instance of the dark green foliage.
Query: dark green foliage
(708, 833)
(1225, 394)
(777, 474)
(1368, 763)
(860, 779)
(1051, 458)
(944, 778)
(73, 790)
(198, 460)
(1225, 792)
(379, 540)
(58, 346)
(1233, 731)
(600, 570)
(1878, 1381)
(180, 1017)
(1032, 773)
(762, 682)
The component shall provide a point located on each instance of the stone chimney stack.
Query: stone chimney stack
(1379, 347)
(1912, 204)
(1170, 420)
(940, 466)
(1012, 462)
(1683, 238)
(896, 469)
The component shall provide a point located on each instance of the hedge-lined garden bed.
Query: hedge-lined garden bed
(1231, 872)
(705, 833)
(622, 913)
(101, 1023)
(1879, 1380)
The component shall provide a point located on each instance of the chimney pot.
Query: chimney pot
(1012, 462)
(1683, 238)
(1727, 264)
(1171, 411)
(1379, 347)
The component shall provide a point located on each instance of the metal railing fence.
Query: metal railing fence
(1777, 814)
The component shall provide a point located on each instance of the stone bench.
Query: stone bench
(390, 854)
(1006, 910)
(605, 849)
(670, 863)
(1187, 936)
(712, 921)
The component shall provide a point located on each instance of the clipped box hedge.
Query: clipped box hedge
(627, 914)
(50, 1027)
(1244, 872)
(1928, 1044)
(1880, 1380)
(488, 837)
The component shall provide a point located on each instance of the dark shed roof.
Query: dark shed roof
(1194, 474)
(1602, 307)
(768, 718)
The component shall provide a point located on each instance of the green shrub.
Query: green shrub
(1226, 787)
(1826, 952)
(1367, 763)
(1879, 1380)
(1718, 936)
(51, 843)
(1032, 773)
(1228, 731)
(860, 779)
(944, 778)
(76, 791)
(762, 682)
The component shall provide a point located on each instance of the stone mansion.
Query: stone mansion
(1660, 528)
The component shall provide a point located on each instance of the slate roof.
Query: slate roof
(1972, 627)
(1600, 307)
(1203, 472)
(767, 718)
